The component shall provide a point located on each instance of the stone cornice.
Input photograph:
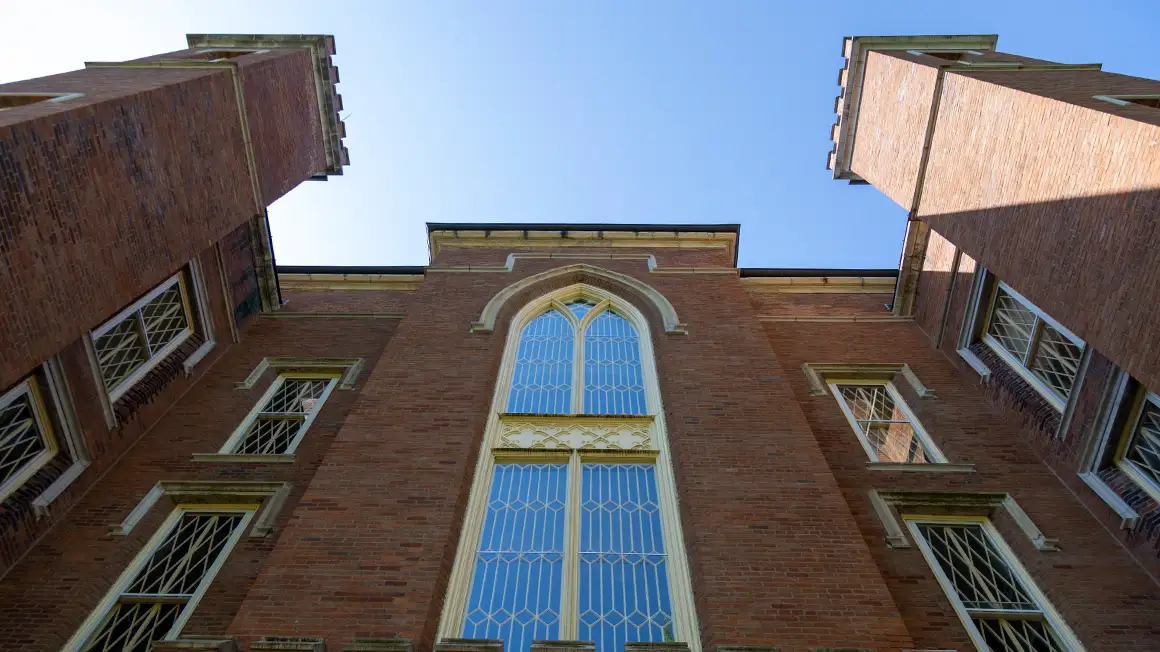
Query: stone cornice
(819, 284)
(525, 239)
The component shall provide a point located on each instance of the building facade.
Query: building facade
(578, 437)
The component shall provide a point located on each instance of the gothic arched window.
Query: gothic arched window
(572, 529)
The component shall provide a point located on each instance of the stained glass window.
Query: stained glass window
(610, 361)
(1035, 343)
(882, 425)
(282, 420)
(1001, 606)
(542, 378)
(142, 335)
(519, 565)
(162, 588)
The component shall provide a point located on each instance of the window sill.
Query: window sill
(244, 459)
(928, 468)
(197, 356)
(1128, 516)
(973, 360)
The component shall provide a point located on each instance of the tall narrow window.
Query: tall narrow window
(568, 534)
(884, 425)
(1000, 606)
(279, 422)
(141, 335)
(26, 438)
(1036, 346)
(158, 592)
(1139, 453)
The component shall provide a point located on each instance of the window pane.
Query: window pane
(134, 627)
(1144, 451)
(120, 352)
(296, 396)
(269, 436)
(580, 308)
(183, 559)
(542, 379)
(871, 403)
(624, 585)
(20, 437)
(613, 378)
(1012, 324)
(977, 570)
(164, 317)
(1056, 360)
(894, 442)
(1008, 635)
(515, 592)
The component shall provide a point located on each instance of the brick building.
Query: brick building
(607, 436)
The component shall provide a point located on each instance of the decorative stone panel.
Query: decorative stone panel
(625, 433)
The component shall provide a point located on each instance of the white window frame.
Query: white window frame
(684, 618)
(97, 618)
(30, 388)
(932, 450)
(1056, 401)
(1050, 615)
(239, 434)
(155, 357)
(1142, 479)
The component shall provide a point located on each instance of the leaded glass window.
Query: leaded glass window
(1001, 608)
(1042, 350)
(884, 426)
(613, 587)
(606, 364)
(26, 440)
(142, 335)
(156, 595)
(1141, 454)
(280, 421)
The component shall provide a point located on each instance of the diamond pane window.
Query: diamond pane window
(885, 428)
(158, 592)
(542, 379)
(519, 565)
(1001, 608)
(26, 441)
(613, 380)
(144, 333)
(624, 584)
(1034, 344)
(1142, 453)
(282, 417)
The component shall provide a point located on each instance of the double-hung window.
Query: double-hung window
(1139, 448)
(1045, 353)
(142, 335)
(997, 601)
(156, 595)
(884, 424)
(570, 531)
(26, 437)
(282, 416)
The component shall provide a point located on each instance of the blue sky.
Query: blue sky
(584, 111)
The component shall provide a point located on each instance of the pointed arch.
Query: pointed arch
(672, 325)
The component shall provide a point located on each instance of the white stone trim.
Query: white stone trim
(887, 502)
(349, 367)
(818, 374)
(271, 495)
(60, 395)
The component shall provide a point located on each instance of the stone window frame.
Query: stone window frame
(1050, 615)
(96, 618)
(930, 448)
(238, 436)
(29, 390)
(975, 321)
(493, 451)
(890, 505)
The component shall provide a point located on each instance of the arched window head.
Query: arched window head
(606, 364)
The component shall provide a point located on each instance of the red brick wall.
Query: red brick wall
(345, 300)
(817, 305)
(52, 590)
(1104, 595)
(771, 541)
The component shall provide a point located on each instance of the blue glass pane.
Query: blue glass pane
(515, 592)
(613, 379)
(580, 308)
(542, 379)
(624, 584)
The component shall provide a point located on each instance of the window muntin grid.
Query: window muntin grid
(999, 604)
(282, 416)
(144, 333)
(158, 592)
(606, 363)
(885, 427)
(610, 583)
(1035, 345)
(26, 437)
(1140, 453)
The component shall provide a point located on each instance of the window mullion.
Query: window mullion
(1033, 344)
(570, 582)
(139, 319)
(578, 371)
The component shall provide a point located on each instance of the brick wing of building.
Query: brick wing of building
(578, 438)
